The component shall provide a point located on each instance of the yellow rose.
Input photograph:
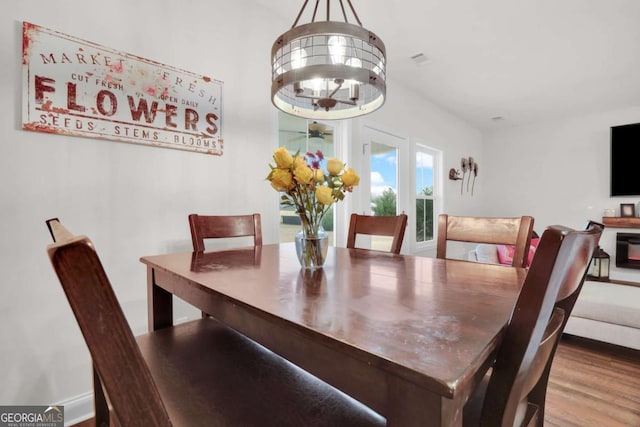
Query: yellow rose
(298, 162)
(334, 166)
(303, 174)
(318, 175)
(283, 158)
(350, 178)
(324, 195)
(281, 179)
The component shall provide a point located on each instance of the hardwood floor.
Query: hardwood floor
(591, 385)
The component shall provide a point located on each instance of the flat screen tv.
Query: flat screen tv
(625, 160)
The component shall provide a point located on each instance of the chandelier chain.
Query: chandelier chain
(328, 11)
(300, 13)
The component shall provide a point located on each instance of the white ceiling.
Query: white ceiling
(523, 60)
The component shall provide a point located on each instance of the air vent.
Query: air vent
(420, 58)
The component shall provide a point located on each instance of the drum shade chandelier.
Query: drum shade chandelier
(328, 69)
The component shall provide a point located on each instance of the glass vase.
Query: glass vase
(312, 244)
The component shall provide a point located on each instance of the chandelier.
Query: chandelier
(328, 69)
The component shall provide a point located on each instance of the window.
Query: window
(384, 189)
(298, 134)
(426, 193)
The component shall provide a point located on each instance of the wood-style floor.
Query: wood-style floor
(591, 385)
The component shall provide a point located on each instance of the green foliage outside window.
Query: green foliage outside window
(384, 204)
(424, 216)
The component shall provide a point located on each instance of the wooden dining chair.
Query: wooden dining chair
(571, 283)
(198, 373)
(507, 397)
(224, 226)
(500, 231)
(392, 226)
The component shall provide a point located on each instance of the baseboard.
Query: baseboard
(77, 409)
(602, 346)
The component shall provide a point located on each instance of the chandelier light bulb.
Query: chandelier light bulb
(316, 85)
(337, 49)
(298, 58)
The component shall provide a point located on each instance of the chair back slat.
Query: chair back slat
(224, 226)
(549, 339)
(116, 356)
(388, 225)
(499, 231)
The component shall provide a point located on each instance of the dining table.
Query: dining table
(408, 336)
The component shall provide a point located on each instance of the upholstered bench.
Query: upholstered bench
(607, 312)
(604, 311)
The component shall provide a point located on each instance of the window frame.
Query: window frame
(436, 197)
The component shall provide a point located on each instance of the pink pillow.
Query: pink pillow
(506, 252)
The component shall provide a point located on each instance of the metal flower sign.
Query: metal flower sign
(76, 87)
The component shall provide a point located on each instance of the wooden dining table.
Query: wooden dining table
(408, 336)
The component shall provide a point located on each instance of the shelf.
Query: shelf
(620, 222)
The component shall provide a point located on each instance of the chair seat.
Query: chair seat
(237, 385)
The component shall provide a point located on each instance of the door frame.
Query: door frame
(363, 131)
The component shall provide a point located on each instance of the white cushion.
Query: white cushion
(603, 331)
(608, 302)
(487, 253)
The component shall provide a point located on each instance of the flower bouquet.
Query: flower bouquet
(306, 187)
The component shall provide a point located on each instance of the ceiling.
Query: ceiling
(498, 63)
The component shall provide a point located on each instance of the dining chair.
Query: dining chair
(195, 373)
(508, 396)
(392, 226)
(500, 231)
(224, 226)
(571, 283)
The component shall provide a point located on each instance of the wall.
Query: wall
(558, 172)
(133, 200)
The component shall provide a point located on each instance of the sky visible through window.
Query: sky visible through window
(384, 172)
(424, 171)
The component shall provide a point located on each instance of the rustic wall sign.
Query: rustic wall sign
(76, 87)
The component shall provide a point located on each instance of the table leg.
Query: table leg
(409, 405)
(160, 303)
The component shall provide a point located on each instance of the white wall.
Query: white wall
(558, 172)
(133, 200)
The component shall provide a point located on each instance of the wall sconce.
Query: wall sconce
(599, 269)
(467, 165)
